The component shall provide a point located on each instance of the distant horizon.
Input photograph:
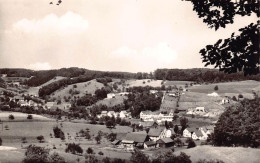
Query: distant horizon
(109, 71)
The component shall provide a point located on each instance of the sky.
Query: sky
(107, 35)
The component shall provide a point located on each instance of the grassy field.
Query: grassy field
(4, 116)
(112, 101)
(17, 130)
(83, 88)
(177, 83)
(241, 87)
(226, 154)
(144, 82)
(57, 78)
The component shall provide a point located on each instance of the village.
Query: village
(158, 129)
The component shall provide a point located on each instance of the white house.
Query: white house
(194, 134)
(111, 95)
(213, 94)
(122, 114)
(150, 116)
(224, 101)
(111, 114)
(50, 104)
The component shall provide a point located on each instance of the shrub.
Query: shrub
(100, 153)
(240, 96)
(24, 140)
(29, 116)
(90, 151)
(11, 117)
(216, 88)
(1, 141)
(191, 143)
(74, 148)
(58, 133)
(40, 138)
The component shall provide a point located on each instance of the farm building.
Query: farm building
(135, 139)
(194, 133)
(148, 124)
(111, 95)
(159, 133)
(150, 144)
(165, 142)
(213, 94)
(50, 105)
(151, 116)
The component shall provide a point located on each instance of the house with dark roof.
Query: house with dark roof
(148, 124)
(165, 142)
(135, 139)
(157, 133)
(150, 144)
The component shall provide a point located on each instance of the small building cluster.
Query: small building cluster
(156, 137)
(22, 102)
(121, 114)
(198, 133)
(54, 105)
(197, 111)
(152, 116)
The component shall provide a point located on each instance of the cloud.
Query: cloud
(66, 24)
(162, 52)
(40, 66)
(149, 58)
(124, 51)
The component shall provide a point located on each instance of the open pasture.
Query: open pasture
(143, 83)
(4, 116)
(239, 87)
(86, 87)
(110, 102)
(177, 83)
(226, 154)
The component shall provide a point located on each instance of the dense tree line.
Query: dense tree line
(201, 75)
(239, 125)
(138, 102)
(52, 87)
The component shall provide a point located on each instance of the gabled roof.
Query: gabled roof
(124, 112)
(198, 133)
(103, 112)
(155, 131)
(191, 129)
(138, 137)
(115, 142)
(120, 136)
(147, 123)
(167, 140)
(150, 143)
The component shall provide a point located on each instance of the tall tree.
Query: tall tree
(240, 52)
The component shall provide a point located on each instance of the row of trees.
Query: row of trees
(201, 75)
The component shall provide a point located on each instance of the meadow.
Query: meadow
(226, 154)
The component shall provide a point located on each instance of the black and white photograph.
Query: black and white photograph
(129, 81)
